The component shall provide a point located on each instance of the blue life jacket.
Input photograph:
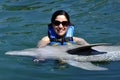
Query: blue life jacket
(55, 40)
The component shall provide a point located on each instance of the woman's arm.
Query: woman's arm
(80, 41)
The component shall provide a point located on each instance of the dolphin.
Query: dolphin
(72, 54)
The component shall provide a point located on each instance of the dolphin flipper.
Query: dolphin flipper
(85, 65)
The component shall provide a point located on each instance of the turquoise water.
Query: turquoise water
(24, 22)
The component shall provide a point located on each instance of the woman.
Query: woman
(60, 31)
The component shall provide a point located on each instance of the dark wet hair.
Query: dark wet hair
(60, 12)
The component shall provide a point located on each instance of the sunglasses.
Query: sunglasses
(64, 23)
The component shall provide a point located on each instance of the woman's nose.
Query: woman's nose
(60, 26)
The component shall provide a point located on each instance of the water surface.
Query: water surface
(24, 22)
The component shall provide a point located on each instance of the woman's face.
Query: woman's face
(60, 25)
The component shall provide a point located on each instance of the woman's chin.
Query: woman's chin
(60, 34)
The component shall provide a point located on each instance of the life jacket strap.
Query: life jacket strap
(66, 39)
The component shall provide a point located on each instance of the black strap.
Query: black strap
(61, 39)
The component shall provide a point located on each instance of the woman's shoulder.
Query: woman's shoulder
(45, 38)
(44, 41)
